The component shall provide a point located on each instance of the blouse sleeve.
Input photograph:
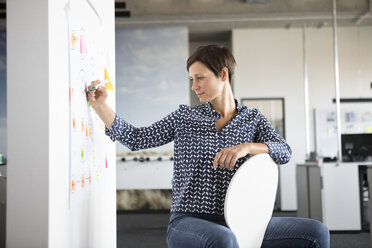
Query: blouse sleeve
(279, 150)
(158, 134)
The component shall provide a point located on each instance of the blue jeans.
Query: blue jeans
(205, 230)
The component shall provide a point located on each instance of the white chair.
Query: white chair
(250, 200)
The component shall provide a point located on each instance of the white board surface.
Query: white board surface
(88, 61)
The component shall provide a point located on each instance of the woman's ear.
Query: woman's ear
(224, 74)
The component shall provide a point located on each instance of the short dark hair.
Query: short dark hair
(215, 58)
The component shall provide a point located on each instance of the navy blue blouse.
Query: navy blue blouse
(196, 186)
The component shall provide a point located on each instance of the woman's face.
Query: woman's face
(204, 83)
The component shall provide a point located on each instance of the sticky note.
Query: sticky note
(368, 129)
(82, 153)
(73, 185)
(83, 46)
(74, 40)
(109, 85)
(83, 181)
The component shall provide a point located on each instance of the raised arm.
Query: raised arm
(159, 133)
(137, 138)
(97, 99)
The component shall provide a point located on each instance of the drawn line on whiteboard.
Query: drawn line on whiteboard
(94, 10)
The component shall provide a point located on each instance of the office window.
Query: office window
(151, 75)
(151, 82)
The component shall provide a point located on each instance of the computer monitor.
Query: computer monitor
(357, 147)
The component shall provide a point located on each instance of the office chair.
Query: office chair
(250, 200)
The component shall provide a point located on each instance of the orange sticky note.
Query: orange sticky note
(109, 85)
(73, 123)
(83, 181)
(73, 185)
(74, 39)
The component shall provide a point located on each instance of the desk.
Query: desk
(330, 193)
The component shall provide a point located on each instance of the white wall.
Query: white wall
(38, 211)
(270, 64)
(355, 63)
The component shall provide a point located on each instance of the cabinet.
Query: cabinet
(330, 193)
(309, 198)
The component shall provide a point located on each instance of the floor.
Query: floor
(142, 230)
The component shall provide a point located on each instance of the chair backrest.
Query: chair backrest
(250, 200)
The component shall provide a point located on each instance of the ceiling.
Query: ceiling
(216, 17)
(223, 15)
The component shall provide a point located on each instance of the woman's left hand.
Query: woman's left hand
(227, 157)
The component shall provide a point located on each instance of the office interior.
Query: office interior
(306, 64)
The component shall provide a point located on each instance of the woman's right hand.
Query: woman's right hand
(96, 97)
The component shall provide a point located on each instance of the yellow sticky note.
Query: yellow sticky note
(109, 85)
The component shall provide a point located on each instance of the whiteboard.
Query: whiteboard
(355, 118)
(88, 61)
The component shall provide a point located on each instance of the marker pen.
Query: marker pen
(100, 84)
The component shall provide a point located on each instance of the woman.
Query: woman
(211, 141)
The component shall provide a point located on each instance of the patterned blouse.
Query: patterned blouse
(196, 186)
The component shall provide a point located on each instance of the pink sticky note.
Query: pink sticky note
(106, 160)
(83, 46)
